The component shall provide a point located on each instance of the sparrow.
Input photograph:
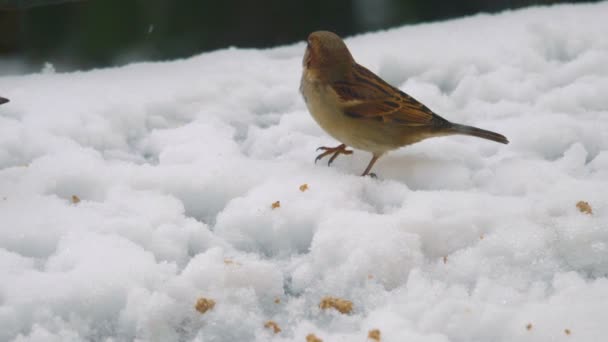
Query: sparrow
(359, 109)
(3, 100)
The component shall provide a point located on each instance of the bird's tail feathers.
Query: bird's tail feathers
(478, 132)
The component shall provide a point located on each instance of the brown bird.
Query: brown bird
(360, 110)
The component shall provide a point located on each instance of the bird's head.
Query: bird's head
(327, 56)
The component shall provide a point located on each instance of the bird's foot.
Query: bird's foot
(336, 151)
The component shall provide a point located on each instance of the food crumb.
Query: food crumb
(75, 199)
(584, 207)
(273, 325)
(303, 187)
(231, 262)
(567, 331)
(374, 334)
(204, 304)
(342, 305)
(529, 326)
(276, 204)
(313, 338)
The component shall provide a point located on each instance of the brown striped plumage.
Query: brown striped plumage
(361, 110)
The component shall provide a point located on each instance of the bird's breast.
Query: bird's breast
(324, 106)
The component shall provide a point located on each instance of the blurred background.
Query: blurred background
(85, 34)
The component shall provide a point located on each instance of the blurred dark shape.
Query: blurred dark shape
(13, 5)
(3, 100)
(99, 33)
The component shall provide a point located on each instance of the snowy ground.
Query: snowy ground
(176, 166)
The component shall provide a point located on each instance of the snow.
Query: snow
(176, 166)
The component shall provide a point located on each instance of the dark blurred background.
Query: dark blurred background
(84, 34)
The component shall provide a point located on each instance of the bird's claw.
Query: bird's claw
(335, 151)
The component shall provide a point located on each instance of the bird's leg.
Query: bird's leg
(369, 166)
(336, 151)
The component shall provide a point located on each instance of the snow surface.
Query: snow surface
(176, 165)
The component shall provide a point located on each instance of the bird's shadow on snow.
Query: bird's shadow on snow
(425, 167)
(421, 172)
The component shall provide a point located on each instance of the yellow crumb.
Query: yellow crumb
(276, 204)
(303, 187)
(342, 305)
(313, 338)
(584, 207)
(75, 199)
(272, 325)
(374, 334)
(204, 304)
(231, 262)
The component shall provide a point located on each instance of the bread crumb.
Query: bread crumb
(313, 338)
(303, 187)
(529, 326)
(75, 199)
(231, 262)
(374, 334)
(567, 331)
(276, 204)
(204, 304)
(342, 305)
(272, 325)
(584, 207)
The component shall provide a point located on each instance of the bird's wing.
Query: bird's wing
(367, 96)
